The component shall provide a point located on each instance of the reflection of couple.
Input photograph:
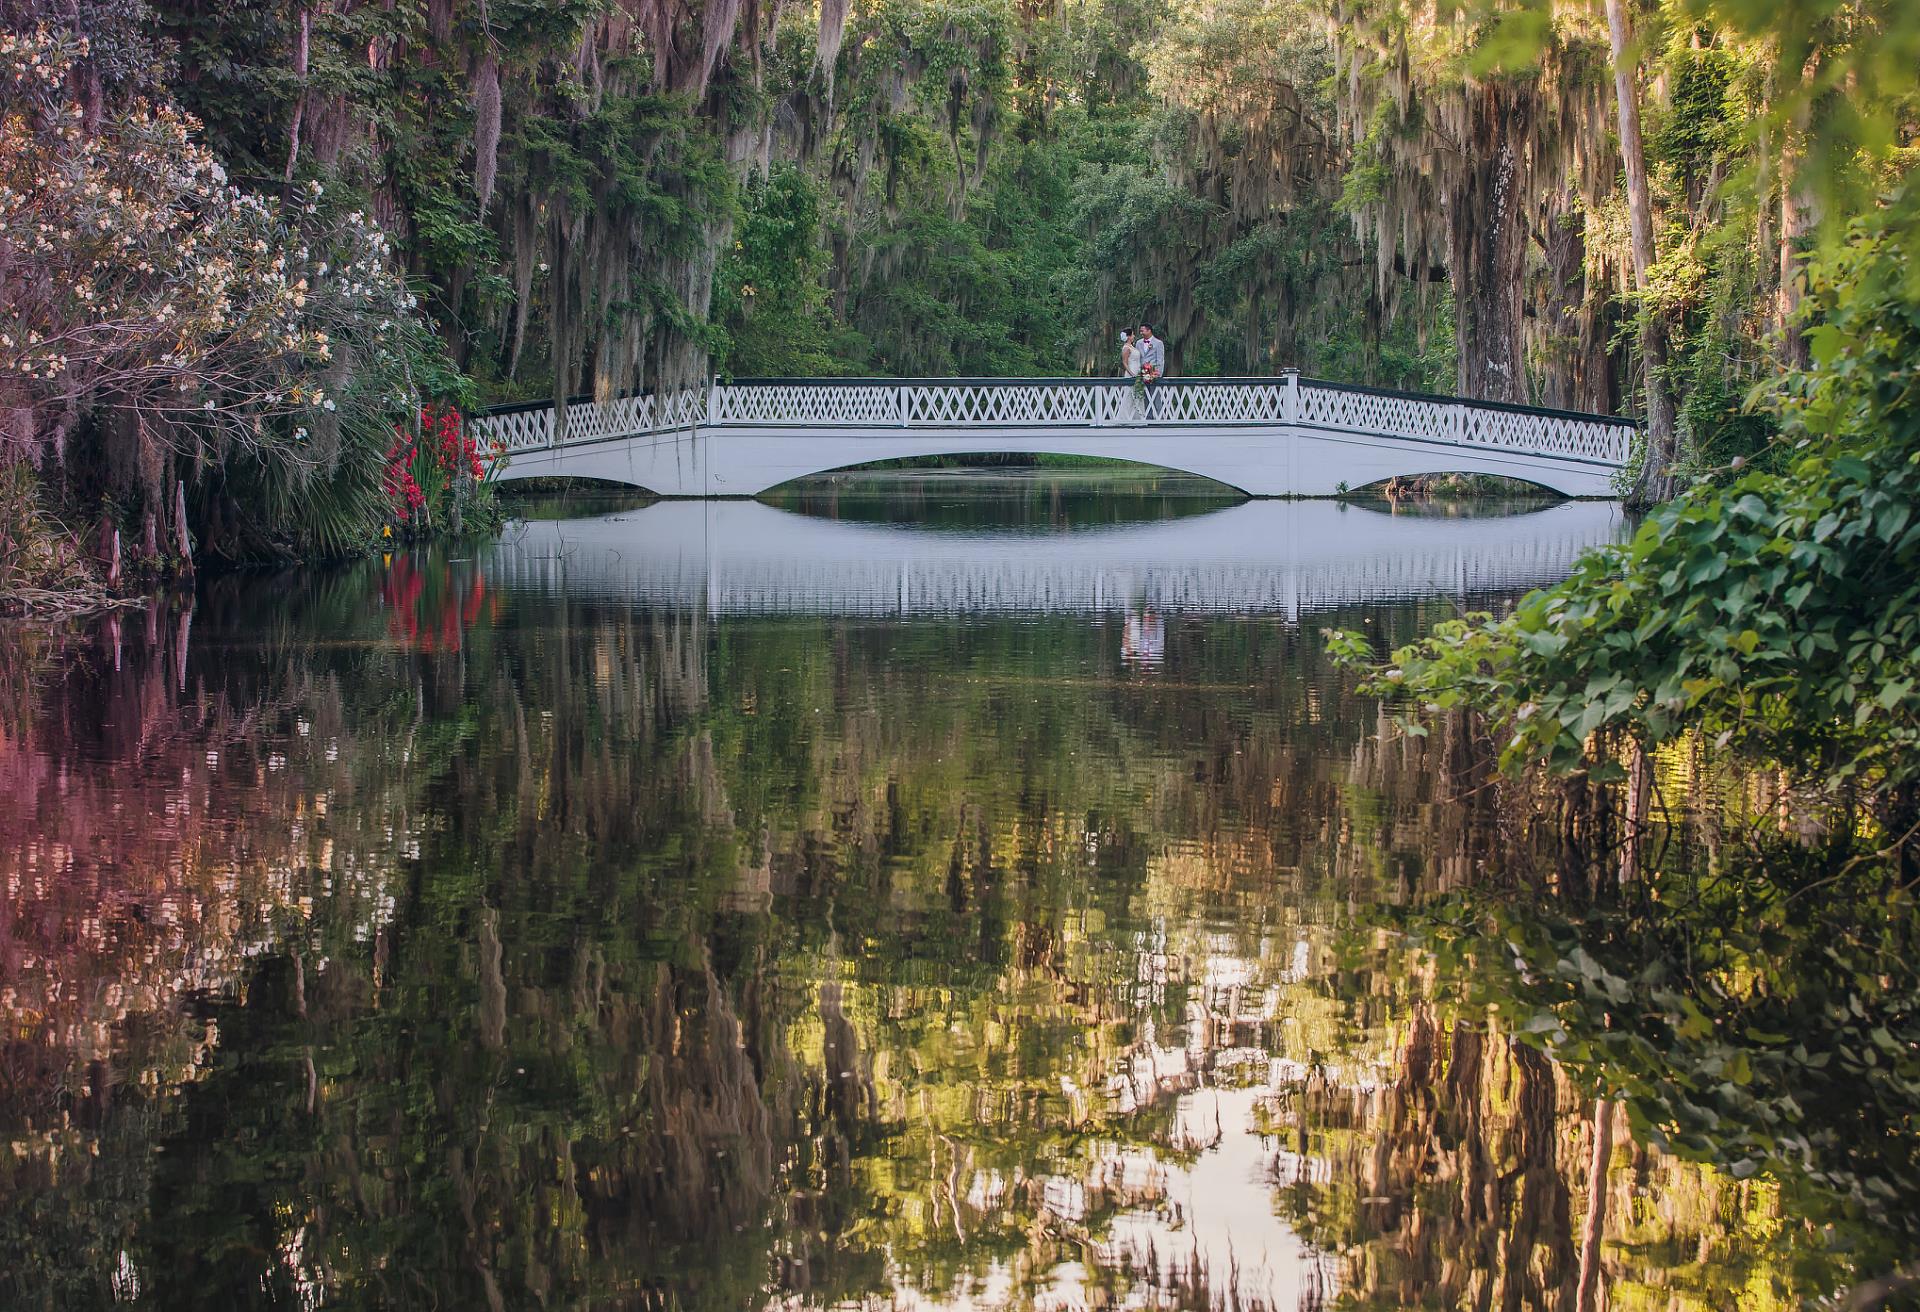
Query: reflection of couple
(1143, 638)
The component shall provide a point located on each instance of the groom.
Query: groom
(1150, 350)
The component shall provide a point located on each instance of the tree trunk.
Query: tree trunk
(1575, 370)
(302, 48)
(1596, 1230)
(1795, 208)
(1763, 181)
(1488, 239)
(1656, 481)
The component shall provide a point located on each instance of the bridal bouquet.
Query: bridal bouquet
(1147, 374)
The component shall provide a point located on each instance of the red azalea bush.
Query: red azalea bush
(437, 470)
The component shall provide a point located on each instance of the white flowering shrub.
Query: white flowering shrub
(135, 277)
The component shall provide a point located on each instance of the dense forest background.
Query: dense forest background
(1593, 206)
(604, 197)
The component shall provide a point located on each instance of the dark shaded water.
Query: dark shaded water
(725, 907)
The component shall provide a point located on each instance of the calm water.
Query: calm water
(900, 898)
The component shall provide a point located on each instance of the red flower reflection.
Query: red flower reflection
(430, 607)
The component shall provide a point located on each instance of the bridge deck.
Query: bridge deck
(1268, 436)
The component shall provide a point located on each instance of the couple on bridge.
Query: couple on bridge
(1143, 358)
(1142, 355)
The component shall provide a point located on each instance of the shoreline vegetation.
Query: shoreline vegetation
(241, 256)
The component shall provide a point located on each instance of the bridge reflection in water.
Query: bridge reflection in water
(1258, 557)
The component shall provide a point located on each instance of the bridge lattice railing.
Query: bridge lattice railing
(920, 403)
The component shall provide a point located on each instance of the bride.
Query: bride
(1129, 355)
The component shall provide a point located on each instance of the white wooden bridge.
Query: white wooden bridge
(1282, 436)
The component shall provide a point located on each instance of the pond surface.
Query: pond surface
(911, 896)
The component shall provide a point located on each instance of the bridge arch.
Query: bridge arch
(924, 463)
(1514, 485)
(794, 462)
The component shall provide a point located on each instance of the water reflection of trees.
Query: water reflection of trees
(161, 831)
(620, 959)
(1515, 1170)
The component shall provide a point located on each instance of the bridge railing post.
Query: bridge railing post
(900, 404)
(1291, 409)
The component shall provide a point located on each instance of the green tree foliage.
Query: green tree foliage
(771, 300)
(994, 214)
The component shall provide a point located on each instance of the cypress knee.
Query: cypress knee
(109, 552)
(183, 544)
